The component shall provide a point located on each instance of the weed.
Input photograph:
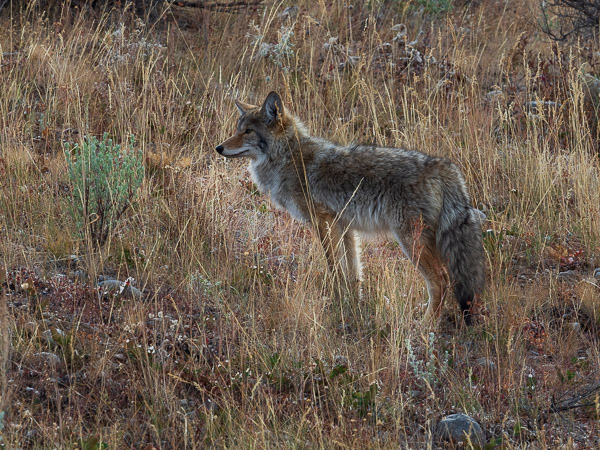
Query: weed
(104, 183)
(436, 7)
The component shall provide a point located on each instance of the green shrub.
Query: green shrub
(436, 7)
(104, 183)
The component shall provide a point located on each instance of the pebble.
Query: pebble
(48, 357)
(566, 274)
(486, 363)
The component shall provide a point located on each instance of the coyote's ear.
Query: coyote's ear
(244, 107)
(272, 108)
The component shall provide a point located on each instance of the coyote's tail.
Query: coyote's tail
(459, 242)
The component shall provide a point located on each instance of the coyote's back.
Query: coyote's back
(420, 200)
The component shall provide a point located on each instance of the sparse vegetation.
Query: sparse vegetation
(104, 181)
(236, 341)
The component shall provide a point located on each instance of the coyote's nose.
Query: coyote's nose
(220, 149)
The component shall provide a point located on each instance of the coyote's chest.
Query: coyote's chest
(285, 191)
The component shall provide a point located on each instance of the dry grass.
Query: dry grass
(236, 341)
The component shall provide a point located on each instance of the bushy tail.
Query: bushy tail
(459, 242)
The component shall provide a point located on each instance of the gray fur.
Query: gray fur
(406, 194)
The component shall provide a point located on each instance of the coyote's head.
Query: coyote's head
(256, 129)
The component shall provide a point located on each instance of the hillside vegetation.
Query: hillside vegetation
(233, 338)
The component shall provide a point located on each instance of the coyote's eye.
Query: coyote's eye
(248, 131)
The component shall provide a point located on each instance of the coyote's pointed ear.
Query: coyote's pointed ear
(272, 108)
(244, 107)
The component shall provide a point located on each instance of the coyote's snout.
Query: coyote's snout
(344, 190)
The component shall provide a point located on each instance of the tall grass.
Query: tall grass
(237, 339)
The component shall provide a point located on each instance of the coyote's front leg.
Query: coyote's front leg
(343, 256)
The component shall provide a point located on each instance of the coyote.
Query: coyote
(419, 200)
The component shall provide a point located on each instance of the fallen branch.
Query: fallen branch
(217, 6)
(576, 401)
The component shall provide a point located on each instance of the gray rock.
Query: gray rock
(119, 289)
(47, 334)
(597, 273)
(566, 274)
(457, 428)
(291, 12)
(340, 360)
(486, 363)
(104, 278)
(47, 357)
(538, 105)
(493, 94)
(79, 275)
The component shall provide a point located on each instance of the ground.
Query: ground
(236, 339)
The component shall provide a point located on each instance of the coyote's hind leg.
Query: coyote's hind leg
(424, 255)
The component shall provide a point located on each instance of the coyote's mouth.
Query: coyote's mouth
(223, 152)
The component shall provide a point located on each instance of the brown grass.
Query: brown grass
(236, 340)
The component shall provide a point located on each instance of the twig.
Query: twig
(573, 402)
(556, 409)
(218, 6)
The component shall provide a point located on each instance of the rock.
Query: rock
(104, 278)
(576, 326)
(49, 339)
(486, 363)
(30, 327)
(119, 289)
(340, 360)
(75, 260)
(538, 105)
(457, 428)
(32, 390)
(597, 273)
(79, 275)
(291, 12)
(399, 28)
(47, 357)
(566, 274)
(493, 94)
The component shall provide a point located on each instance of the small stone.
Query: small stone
(486, 363)
(493, 94)
(120, 357)
(74, 259)
(47, 357)
(104, 278)
(119, 289)
(597, 273)
(291, 12)
(399, 28)
(79, 275)
(576, 326)
(457, 428)
(566, 274)
(49, 339)
(340, 360)
(30, 327)
(415, 394)
(32, 390)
